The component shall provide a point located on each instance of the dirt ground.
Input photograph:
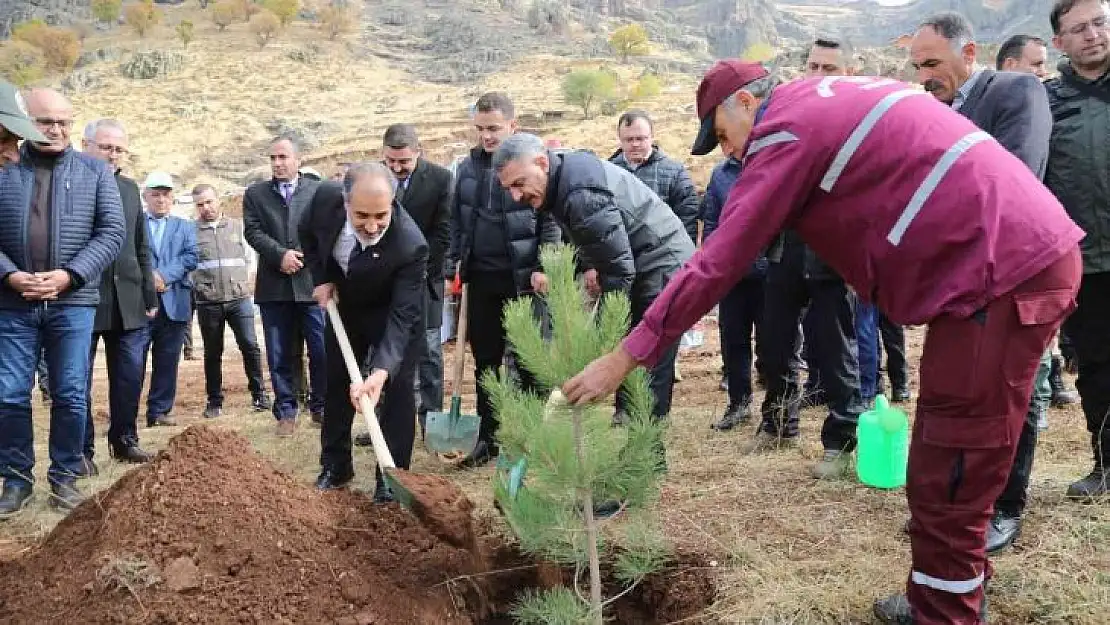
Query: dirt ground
(780, 546)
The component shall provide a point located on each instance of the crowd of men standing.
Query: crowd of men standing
(95, 259)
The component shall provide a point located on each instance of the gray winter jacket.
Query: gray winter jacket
(1079, 159)
(621, 227)
(670, 181)
(86, 232)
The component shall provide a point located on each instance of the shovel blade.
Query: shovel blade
(445, 433)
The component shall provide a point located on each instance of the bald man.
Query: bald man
(370, 255)
(49, 291)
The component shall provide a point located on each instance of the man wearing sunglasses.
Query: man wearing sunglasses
(63, 226)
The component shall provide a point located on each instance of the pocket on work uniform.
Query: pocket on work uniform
(966, 432)
(1038, 316)
(951, 361)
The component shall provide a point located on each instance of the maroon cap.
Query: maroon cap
(722, 80)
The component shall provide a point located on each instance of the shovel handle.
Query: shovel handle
(381, 450)
(460, 344)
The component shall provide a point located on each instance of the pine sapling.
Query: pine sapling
(573, 456)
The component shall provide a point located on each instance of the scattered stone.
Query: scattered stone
(148, 64)
(182, 575)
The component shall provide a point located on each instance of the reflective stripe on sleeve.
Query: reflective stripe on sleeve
(221, 262)
(774, 138)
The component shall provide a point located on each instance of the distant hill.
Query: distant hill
(52, 11)
(868, 24)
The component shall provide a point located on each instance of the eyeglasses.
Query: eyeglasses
(47, 122)
(112, 149)
(1099, 23)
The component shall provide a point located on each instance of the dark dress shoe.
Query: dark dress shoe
(382, 494)
(88, 468)
(331, 479)
(620, 418)
(363, 440)
(607, 509)
(128, 450)
(894, 609)
(1002, 532)
(481, 455)
(160, 420)
(211, 412)
(735, 414)
(261, 404)
(64, 495)
(14, 498)
(900, 396)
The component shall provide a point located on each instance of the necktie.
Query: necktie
(355, 251)
(287, 191)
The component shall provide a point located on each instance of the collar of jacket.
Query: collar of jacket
(276, 186)
(28, 153)
(554, 172)
(479, 155)
(656, 154)
(1067, 71)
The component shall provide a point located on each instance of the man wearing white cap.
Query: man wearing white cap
(173, 246)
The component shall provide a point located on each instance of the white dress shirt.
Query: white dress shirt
(346, 243)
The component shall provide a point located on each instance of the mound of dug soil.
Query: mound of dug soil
(211, 533)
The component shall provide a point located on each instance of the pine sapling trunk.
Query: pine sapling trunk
(586, 495)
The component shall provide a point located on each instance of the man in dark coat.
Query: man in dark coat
(128, 302)
(272, 210)
(367, 254)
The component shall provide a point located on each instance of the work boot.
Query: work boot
(261, 403)
(64, 495)
(128, 450)
(14, 498)
(736, 414)
(834, 464)
(160, 420)
(894, 609)
(1003, 530)
(1061, 394)
(900, 395)
(1094, 486)
(88, 468)
(766, 441)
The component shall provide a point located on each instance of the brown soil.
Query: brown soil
(443, 508)
(211, 533)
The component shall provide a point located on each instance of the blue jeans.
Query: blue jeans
(167, 339)
(64, 333)
(278, 323)
(867, 337)
(125, 358)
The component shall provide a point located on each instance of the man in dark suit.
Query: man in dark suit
(370, 256)
(424, 190)
(128, 301)
(1013, 108)
(272, 210)
(173, 246)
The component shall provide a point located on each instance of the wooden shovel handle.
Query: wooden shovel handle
(460, 343)
(381, 450)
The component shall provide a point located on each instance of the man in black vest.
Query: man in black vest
(128, 301)
(368, 255)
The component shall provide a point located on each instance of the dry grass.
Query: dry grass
(787, 549)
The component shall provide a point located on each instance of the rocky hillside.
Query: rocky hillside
(52, 11)
(869, 23)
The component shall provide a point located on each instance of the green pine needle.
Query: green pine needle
(558, 606)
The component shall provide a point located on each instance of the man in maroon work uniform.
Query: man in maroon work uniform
(934, 222)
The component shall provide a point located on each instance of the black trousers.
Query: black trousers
(894, 343)
(396, 409)
(1088, 329)
(741, 316)
(487, 294)
(213, 318)
(644, 291)
(831, 342)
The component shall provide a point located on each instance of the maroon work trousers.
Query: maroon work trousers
(976, 380)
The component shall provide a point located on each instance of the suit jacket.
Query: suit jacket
(1013, 108)
(127, 284)
(173, 260)
(270, 227)
(382, 293)
(428, 201)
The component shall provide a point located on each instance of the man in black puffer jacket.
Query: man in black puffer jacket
(621, 227)
(495, 246)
